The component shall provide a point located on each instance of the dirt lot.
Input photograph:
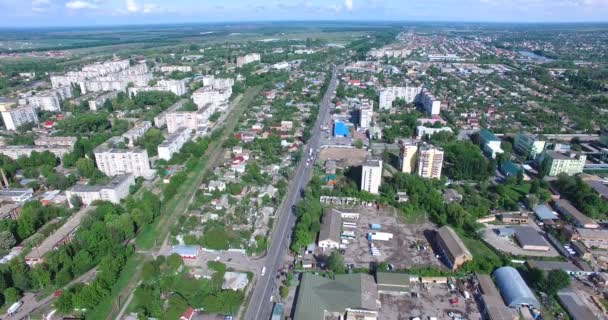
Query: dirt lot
(402, 251)
(432, 301)
(351, 156)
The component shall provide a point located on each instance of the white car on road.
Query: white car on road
(263, 271)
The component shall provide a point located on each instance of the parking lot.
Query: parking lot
(433, 300)
(408, 248)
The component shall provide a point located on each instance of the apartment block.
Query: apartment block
(390, 94)
(178, 87)
(174, 143)
(45, 101)
(430, 161)
(371, 176)
(114, 161)
(429, 103)
(15, 116)
(114, 191)
(570, 163)
(208, 95)
(99, 101)
(176, 68)
(407, 155)
(46, 141)
(193, 120)
(138, 131)
(15, 152)
(422, 131)
(246, 59)
(528, 145)
(217, 83)
(365, 116)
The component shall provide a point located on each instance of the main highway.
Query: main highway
(260, 306)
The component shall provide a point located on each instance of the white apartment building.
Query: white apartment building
(217, 83)
(47, 101)
(371, 176)
(176, 68)
(98, 102)
(430, 161)
(138, 131)
(246, 59)
(161, 119)
(194, 120)
(390, 94)
(113, 161)
(365, 116)
(430, 104)
(15, 116)
(174, 143)
(407, 155)
(422, 131)
(208, 95)
(89, 72)
(14, 152)
(46, 141)
(178, 87)
(114, 191)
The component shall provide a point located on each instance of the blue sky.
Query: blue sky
(23, 13)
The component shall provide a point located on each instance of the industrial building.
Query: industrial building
(451, 248)
(329, 234)
(528, 145)
(492, 305)
(371, 176)
(568, 210)
(394, 283)
(575, 306)
(530, 239)
(514, 290)
(321, 298)
(570, 163)
(592, 237)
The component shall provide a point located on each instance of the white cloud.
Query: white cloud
(348, 4)
(132, 6)
(77, 5)
(150, 7)
(40, 2)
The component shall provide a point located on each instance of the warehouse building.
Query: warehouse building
(530, 239)
(394, 283)
(329, 235)
(514, 290)
(567, 209)
(575, 306)
(492, 306)
(451, 248)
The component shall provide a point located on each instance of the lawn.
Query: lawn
(479, 249)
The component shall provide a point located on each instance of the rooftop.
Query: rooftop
(553, 265)
(453, 242)
(330, 228)
(487, 135)
(527, 236)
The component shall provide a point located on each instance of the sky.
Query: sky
(35, 13)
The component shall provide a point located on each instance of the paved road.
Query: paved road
(260, 307)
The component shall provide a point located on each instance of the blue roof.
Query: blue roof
(509, 168)
(514, 289)
(543, 212)
(183, 250)
(340, 129)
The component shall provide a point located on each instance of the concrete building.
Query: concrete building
(246, 59)
(100, 100)
(530, 239)
(371, 176)
(407, 155)
(514, 290)
(16, 194)
(570, 212)
(430, 161)
(46, 141)
(217, 83)
(492, 305)
(591, 237)
(114, 161)
(114, 191)
(429, 103)
(576, 306)
(15, 116)
(175, 68)
(394, 283)
(528, 145)
(390, 94)
(45, 101)
(173, 143)
(490, 143)
(139, 130)
(207, 95)
(15, 152)
(178, 87)
(194, 120)
(569, 163)
(329, 234)
(321, 298)
(365, 116)
(422, 131)
(451, 248)
(161, 119)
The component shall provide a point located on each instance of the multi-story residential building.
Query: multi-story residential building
(176, 68)
(178, 87)
(174, 143)
(490, 143)
(15, 116)
(89, 72)
(390, 94)
(407, 155)
(46, 141)
(429, 103)
(193, 120)
(430, 161)
(205, 95)
(138, 131)
(570, 163)
(98, 102)
(45, 101)
(365, 116)
(217, 83)
(114, 161)
(161, 119)
(114, 191)
(14, 152)
(371, 176)
(528, 145)
(451, 248)
(246, 59)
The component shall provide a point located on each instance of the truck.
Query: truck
(14, 307)
(375, 226)
(379, 236)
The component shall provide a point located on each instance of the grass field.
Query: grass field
(478, 248)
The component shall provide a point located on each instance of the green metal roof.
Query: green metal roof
(318, 295)
(389, 281)
(486, 135)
